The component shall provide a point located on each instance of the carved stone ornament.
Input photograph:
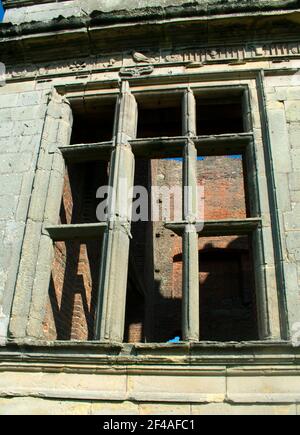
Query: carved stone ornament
(137, 71)
(140, 57)
(77, 66)
(136, 64)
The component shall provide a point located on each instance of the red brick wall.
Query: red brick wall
(72, 291)
(224, 192)
(153, 309)
(74, 281)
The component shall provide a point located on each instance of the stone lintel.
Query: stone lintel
(76, 232)
(226, 227)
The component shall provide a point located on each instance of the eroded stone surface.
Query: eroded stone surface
(80, 8)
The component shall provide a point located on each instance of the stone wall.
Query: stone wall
(283, 103)
(21, 406)
(76, 379)
(22, 114)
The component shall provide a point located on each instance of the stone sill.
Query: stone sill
(189, 356)
(183, 345)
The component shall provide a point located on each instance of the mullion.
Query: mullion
(110, 313)
(190, 287)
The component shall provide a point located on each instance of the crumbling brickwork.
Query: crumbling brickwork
(70, 312)
(73, 287)
(224, 197)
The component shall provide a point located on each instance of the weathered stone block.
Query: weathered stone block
(291, 276)
(36, 406)
(6, 115)
(64, 134)
(90, 387)
(294, 181)
(112, 408)
(51, 131)
(28, 113)
(239, 409)
(292, 292)
(54, 110)
(29, 98)
(3, 278)
(9, 100)
(283, 193)
(165, 409)
(293, 241)
(263, 389)
(279, 140)
(5, 257)
(58, 163)
(295, 195)
(13, 232)
(294, 132)
(6, 129)
(194, 389)
(296, 159)
(293, 93)
(15, 163)
(8, 205)
(4, 320)
(292, 110)
(8, 144)
(31, 128)
(292, 218)
(10, 184)
(279, 81)
(281, 94)
(268, 245)
(36, 210)
(29, 143)
(22, 208)
(22, 163)
(7, 161)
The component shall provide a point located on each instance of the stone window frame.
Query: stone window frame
(41, 229)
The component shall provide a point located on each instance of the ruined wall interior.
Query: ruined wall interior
(213, 96)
